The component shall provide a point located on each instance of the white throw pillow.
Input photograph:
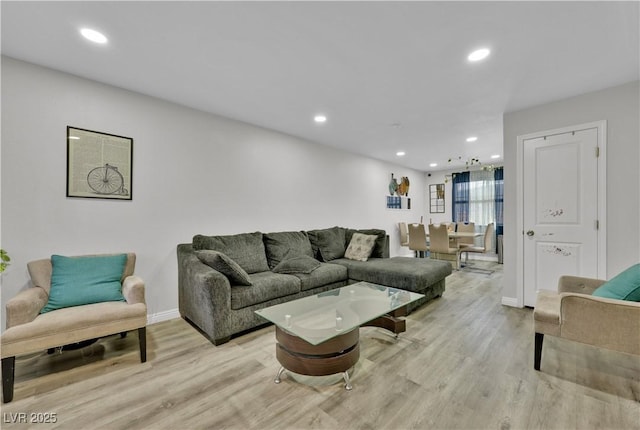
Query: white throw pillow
(360, 247)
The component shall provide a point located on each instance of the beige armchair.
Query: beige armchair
(573, 313)
(29, 331)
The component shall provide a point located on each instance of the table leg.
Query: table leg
(347, 382)
(391, 321)
(280, 372)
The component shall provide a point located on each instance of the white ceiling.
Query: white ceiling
(366, 65)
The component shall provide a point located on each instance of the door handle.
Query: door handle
(530, 233)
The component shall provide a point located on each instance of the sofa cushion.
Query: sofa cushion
(79, 281)
(225, 265)
(406, 273)
(360, 247)
(325, 274)
(298, 264)
(286, 244)
(328, 244)
(266, 286)
(381, 241)
(624, 286)
(246, 249)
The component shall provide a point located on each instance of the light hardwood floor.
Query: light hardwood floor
(465, 362)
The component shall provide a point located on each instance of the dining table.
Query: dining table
(461, 234)
(455, 235)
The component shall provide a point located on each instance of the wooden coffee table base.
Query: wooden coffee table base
(337, 355)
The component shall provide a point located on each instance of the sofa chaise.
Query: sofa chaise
(223, 279)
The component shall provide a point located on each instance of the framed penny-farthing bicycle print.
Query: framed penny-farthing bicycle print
(99, 165)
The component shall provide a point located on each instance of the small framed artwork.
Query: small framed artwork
(99, 165)
(436, 198)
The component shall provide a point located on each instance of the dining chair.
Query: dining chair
(468, 227)
(451, 228)
(418, 239)
(488, 246)
(439, 243)
(404, 234)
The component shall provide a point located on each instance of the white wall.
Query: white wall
(620, 107)
(192, 173)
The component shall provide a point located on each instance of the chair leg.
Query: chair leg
(537, 353)
(8, 372)
(142, 338)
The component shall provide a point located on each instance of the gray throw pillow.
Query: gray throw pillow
(297, 264)
(225, 265)
(246, 249)
(329, 242)
(285, 244)
(360, 247)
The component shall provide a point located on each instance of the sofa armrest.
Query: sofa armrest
(605, 323)
(25, 306)
(133, 289)
(215, 286)
(577, 284)
(204, 294)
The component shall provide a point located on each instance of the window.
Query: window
(478, 196)
(482, 197)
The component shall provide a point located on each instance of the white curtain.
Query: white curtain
(482, 199)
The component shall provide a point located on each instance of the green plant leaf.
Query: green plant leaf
(4, 260)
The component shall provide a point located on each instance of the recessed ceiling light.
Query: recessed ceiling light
(93, 35)
(320, 118)
(433, 165)
(74, 137)
(495, 156)
(479, 54)
(400, 153)
(472, 139)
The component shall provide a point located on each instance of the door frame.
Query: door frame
(601, 127)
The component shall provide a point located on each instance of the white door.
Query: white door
(560, 209)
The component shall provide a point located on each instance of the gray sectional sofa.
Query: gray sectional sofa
(224, 279)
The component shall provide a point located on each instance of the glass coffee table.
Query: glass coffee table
(319, 335)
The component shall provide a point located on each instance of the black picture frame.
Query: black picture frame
(436, 198)
(99, 165)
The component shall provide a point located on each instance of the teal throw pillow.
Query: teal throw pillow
(77, 281)
(625, 286)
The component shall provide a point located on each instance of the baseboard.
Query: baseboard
(510, 301)
(163, 316)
